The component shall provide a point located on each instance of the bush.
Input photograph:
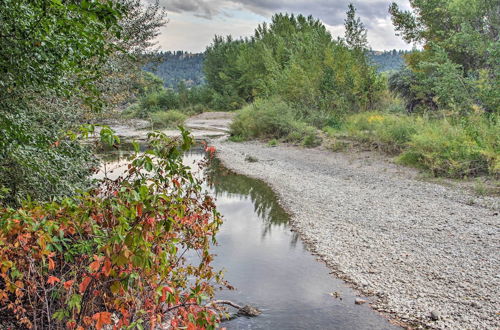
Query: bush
(272, 119)
(116, 250)
(188, 101)
(467, 146)
(167, 119)
(451, 150)
(389, 132)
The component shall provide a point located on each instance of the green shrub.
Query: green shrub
(450, 150)
(264, 119)
(272, 119)
(304, 134)
(167, 119)
(272, 143)
(389, 132)
(467, 146)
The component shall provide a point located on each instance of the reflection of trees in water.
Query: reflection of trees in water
(225, 182)
(266, 205)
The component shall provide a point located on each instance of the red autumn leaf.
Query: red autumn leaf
(139, 210)
(52, 264)
(150, 221)
(164, 291)
(52, 280)
(85, 283)
(106, 268)
(87, 320)
(68, 284)
(101, 319)
(94, 266)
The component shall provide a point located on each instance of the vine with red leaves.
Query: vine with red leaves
(115, 255)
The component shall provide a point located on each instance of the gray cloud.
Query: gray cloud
(332, 12)
(225, 17)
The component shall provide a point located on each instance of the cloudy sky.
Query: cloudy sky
(193, 23)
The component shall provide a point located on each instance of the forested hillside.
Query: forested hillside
(391, 60)
(174, 67)
(181, 66)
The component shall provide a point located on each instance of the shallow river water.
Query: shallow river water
(269, 265)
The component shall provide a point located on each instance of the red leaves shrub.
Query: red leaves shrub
(134, 251)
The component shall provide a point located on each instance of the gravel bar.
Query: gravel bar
(429, 254)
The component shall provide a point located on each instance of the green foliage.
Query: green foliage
(468, 148)
(59, 63)
(148, 83)
(115, 250)
(458, 67)
(190, 101)
(453, 147)
(167, 119)
(273, 119)
(389, 132)
(273, 143)
(45, 42)
(222, 72)
(355, 31)
(296, 59)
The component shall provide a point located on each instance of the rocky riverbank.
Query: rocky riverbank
(428, 253)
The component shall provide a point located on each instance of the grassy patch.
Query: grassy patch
(167, 119)
(388, 132)
(446, 147)
(272, 119)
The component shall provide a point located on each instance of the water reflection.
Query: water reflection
(223, 182)
(269, 265)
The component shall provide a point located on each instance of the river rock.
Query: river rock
(359, 301)
(248, 310)
(435, 316)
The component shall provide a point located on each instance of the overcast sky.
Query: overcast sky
(193, 23)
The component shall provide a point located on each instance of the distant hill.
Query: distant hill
(174, 67)
(390, 60)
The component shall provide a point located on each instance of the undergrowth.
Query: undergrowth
(448, 147)
(272, 120)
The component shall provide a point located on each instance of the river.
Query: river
(268, 264)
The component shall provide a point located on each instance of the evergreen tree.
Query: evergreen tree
(355, 31)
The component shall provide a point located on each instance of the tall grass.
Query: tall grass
(167, 119)
(272, 119)
(450, 147)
